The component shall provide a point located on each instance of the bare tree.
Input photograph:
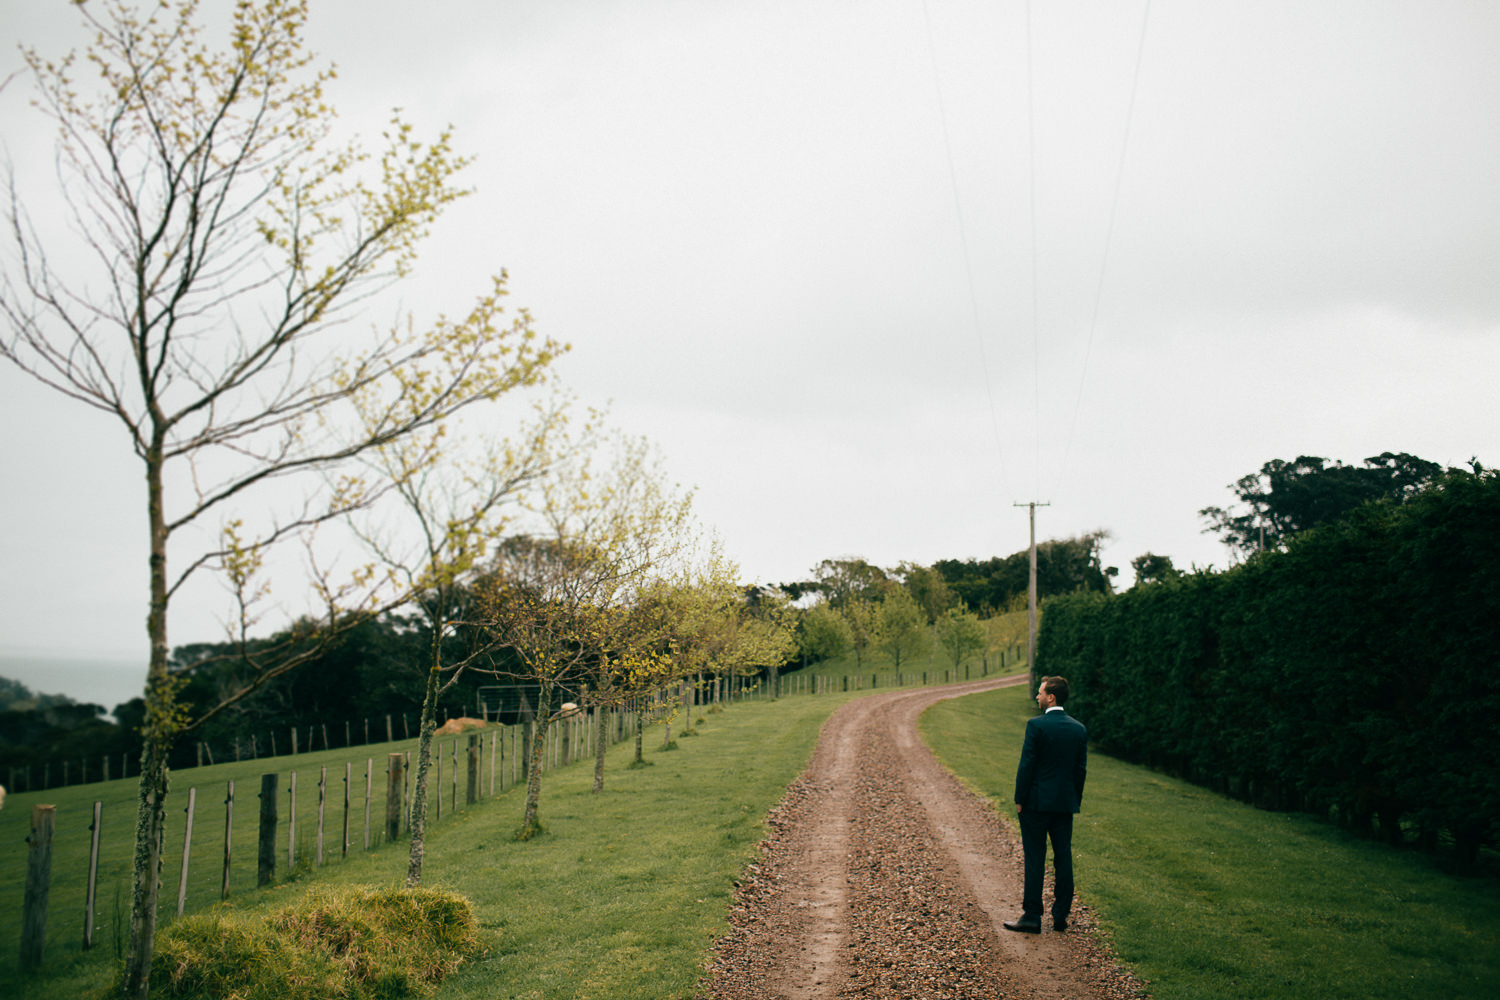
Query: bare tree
(225, 241)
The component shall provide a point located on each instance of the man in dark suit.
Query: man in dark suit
(1049, 790)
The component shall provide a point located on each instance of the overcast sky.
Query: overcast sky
(872, 272)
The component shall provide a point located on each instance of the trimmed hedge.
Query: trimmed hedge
(1355, 674)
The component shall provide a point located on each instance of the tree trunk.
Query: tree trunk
(600, 737)
(426, 728)
(640, 736)
(158, 731)
(529, 824)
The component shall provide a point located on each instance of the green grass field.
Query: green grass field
(1211, 898)
(624, 894)
(620, 898)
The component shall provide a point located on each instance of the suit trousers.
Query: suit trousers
(1036, 827)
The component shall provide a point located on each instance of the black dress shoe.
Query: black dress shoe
(1024, 926)
(1059, 925)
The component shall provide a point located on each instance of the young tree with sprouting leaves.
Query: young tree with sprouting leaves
(449, 505)
(961, 633)
(555, 599)
(902, 632)
(713, 626)
(219, 243)
(824, 634)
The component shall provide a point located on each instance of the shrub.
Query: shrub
(338, 943)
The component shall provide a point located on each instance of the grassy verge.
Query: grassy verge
(619, 899)
(932, 666)
(1206, 897)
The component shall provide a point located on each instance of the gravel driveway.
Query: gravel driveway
(884, 877)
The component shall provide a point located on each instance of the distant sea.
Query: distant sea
(98, 680)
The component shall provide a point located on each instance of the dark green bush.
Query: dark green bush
(1355, 674)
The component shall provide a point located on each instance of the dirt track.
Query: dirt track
(885, 877)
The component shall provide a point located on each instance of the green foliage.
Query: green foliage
(36, 729)
(825, 633)
(903, 632)
(961, 634)
(339, 943)
(1284, 498)
(1063, 566)
(1207, 897)
(928, 588)
(1152, 568)
(1352, 675)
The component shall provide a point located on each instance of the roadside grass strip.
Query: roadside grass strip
(1207, 897)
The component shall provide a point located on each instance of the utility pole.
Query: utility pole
(1031, 595)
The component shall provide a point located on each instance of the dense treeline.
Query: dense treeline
(374, 670)
(38, 728)
(1353, 674)
(1063, 566)
(378, 668)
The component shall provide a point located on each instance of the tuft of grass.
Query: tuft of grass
(528, 831)
(1208, 897)
(338, 943)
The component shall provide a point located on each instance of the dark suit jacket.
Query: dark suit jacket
(1054, 762)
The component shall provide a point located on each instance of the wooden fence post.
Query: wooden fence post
(266, 862)
(38, 885)
(348, 777)
(395, 784)
(91, 896)
(291, 821)
(322, 803)
(471, 794)
(187, 848)
(228, 836)
(369, 789)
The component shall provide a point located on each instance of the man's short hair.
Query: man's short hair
(1057, 687)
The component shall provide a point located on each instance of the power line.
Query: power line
(1109, 234)
(1036, 308)
(963, 241)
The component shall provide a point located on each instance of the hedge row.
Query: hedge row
(1355, 674)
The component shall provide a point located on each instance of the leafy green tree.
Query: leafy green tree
(903, 626)
(863, 617)
(221, 240)
(1152, 568)
(843, 582)
(1285, 498)
(928, 588)
(825, 633)
(961, 634)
